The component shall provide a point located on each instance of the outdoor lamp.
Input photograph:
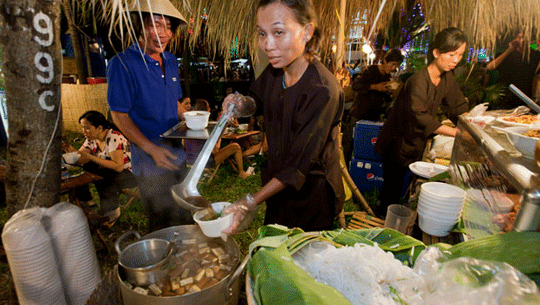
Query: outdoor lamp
(367, 49)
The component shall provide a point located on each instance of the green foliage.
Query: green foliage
(473, 81)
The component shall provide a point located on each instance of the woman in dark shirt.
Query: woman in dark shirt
(302, 105)
(413, 119)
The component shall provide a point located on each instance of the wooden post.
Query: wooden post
(340, 40)
(33, 74)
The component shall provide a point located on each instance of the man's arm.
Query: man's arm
(161, 156)
(512, 46)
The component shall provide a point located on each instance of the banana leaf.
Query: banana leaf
(278, 280)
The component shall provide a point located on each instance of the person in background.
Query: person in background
(106, 153)
(194, 146)
(413, 119)
(143, 93)
(184, 105)
(374, 95)
(516, 66)
(302, 104)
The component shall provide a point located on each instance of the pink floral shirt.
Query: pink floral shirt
(113, 141)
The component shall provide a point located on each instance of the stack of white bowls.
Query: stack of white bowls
(439, 207)
(31, 258)
(79, 268)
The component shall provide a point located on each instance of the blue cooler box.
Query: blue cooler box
(366, 174)
(365, 137)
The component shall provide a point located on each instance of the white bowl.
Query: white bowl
(434, 228)
(442, 190)
(439, 217)
(521, 142)
(196, 120)
(213, 228)
(71, 157)
(441, 204)
(438, 211)
(243, 127)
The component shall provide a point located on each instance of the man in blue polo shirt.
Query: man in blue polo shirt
(144, 88)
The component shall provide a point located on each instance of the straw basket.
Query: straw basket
(77, 99)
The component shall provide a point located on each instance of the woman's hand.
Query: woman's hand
(244, 106)
(85, 157)
(244, 211)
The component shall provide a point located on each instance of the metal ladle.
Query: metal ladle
(186, 193)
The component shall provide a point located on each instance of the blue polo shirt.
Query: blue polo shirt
(138, 86)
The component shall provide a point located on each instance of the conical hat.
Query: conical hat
(160, 7)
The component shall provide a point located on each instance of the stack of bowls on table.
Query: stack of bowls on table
(439, 207)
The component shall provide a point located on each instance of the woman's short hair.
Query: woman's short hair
(304, 12)
(96, 119)
(394, 55)
(447, 40)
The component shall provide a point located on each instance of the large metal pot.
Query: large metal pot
(224, 292)
(144, 262)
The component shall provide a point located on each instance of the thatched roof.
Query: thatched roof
(484, 21)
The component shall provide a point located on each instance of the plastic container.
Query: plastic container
(365, 137)
(213, 228)
(398, 217)
(196, 120)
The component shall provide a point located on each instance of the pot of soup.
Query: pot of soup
(201, 270)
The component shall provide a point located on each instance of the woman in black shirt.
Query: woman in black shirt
(302, 104)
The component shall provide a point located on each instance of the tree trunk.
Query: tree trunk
(33, 73)
(76, 42)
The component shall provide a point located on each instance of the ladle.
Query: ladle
(186, 193)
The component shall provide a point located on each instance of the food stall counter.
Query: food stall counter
(499, 178)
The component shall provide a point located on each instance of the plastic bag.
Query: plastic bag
(472, 281)
(441, 147)
(479, 110)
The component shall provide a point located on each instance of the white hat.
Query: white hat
(160, 7)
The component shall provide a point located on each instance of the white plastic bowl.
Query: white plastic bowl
(196, 120)
(440, 205)
(243, 127)
(434, 228)
(437, 212)
(521, 142)
(71, 157)
(457, 201)
(213, 228)
(442, 190)
(439, 217)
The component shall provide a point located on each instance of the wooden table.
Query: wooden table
(70, 184)
(241, 138)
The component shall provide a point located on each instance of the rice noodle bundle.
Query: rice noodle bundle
(363, 274)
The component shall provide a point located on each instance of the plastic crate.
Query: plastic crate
(365, 137)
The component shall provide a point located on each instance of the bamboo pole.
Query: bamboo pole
(354, 189)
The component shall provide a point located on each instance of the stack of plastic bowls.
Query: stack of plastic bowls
(439, 207)
(31, 258)
(79, 268)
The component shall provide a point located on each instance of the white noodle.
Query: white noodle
(363, 274)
